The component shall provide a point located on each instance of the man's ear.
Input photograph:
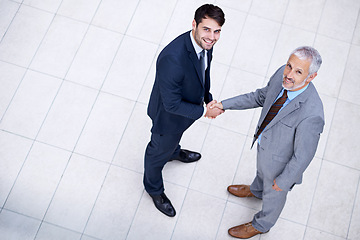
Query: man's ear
(193, 24)
(311, 77)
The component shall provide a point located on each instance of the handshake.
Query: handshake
(214, 109)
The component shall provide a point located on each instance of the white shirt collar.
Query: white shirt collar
(197, 48)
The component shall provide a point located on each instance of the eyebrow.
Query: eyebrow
(206, 27)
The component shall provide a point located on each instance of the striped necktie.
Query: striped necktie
(272, 113)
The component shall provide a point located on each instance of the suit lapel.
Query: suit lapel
(292, 106)
(193, 57)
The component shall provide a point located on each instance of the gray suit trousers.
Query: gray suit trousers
(273, 201)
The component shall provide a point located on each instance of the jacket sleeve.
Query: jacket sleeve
(170, 75)
(253, 99)
(246, 101)
(305, 145)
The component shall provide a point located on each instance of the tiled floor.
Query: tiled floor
(75, 78)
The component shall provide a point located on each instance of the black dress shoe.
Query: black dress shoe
(163, 204)
(187, 156)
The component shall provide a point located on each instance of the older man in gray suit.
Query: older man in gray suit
(288, 132)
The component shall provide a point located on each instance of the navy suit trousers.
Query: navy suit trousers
(160, 149)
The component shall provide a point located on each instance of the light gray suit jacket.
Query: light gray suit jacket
(289, 142)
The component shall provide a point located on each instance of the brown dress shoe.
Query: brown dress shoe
(240, 190)
(244, 231)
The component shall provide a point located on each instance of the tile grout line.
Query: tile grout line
(330, 127)
(27, 68)
(220, 93)
(12, 20)
(137, 99)
(358, 186)
(353, 208)
(111, 164)
(99, 92)
(322, 157)
(59, 88)
(1, 39)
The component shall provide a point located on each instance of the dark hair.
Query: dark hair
(209, 11)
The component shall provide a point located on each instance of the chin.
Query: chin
(286, 87)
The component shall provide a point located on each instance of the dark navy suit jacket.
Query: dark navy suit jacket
(178, 93)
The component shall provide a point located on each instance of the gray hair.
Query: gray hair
(309, 53)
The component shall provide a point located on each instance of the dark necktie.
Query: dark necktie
(272, 113)
(202, 64)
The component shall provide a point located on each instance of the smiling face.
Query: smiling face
(206, 33)
(296, 74)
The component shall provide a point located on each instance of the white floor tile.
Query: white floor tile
(8, 10)
(151, 224)
(82, 10)
(49, 231)
(47, 5)
(319, 235)
(238, 82)
(13, 152)
(67, 116)
(239, 5)
(153, 30)
(116, 206)
(84, 237)
(149, 82)
(329, 104)
(59, 46)
(356, 36)
(94, 58)
(218, 76)
(23, 38)
(226, 46)
(257, 32)
(272, 10)
(338, 19)
(107, 15)
(299, 199)
(245, 174)
(37, 182)
(234, 215)
(331, 211)
(221, 153)
(341, 147)
(289, 39)
(193, 139)
(16, 226)
(117, 54)
(285, 230)
(354, 230)
(181, 19)
(130, 153)
(331, 72)
(11, 77)
(105, 127)
(76, 194)
(350, 86)
(30, 104)
(304, 14)
(130, 68)
(198, 204)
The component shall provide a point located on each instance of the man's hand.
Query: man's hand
(212, 111)
(276, 187)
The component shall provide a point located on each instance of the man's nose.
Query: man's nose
(290, 74)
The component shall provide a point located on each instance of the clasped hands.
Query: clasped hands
(214, 109)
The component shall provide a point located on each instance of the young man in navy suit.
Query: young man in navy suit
(181, 88)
